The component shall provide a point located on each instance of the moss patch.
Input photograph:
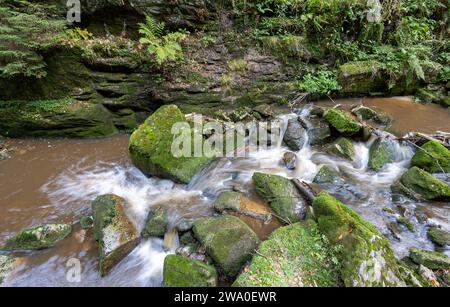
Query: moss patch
(433, 157)
(425, 184)
(180, 271)
(342, 122)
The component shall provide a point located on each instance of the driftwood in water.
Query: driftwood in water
(305, 189)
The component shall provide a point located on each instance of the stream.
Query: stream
(49, 181)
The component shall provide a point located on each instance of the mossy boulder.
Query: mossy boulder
(116, 234)
(362, 77)
(342, 147)
(364, 112)
(342, 122)
(426, 185)
(295, 256)
(381, 153)
(439, 236)
(86, 222)
(366, 257)
(228, 240)
(429, 259)
(328, 175)
(228, 201)
(7, 265)
(157, 223)
(282, 195)
(432, 157)
(181, 271)
(151, 147)
(40, 237)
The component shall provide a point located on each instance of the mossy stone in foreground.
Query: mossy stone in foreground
(367, 259)
(40, 237)
(342, 122)
(228, 240)
(151, 147)
(181, 271)
(282, 195)
(432, 157)
(296, 256)
(116, 234)
(425, 184)
(7, 265)
(432, 260)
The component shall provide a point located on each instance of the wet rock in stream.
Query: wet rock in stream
(180, 271)
(37, 238)
(157, 223)
(328, 175)
(7, 266)
(420, 184)
(382, 152)
(432, 157)
(430, 259)
(343, 148)
(116, 234)
(228, 240)
(239, 203)
(294, 136)
(439, 236)
(290, 160)
(342, 122)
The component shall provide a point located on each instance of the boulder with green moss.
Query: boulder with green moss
(432, 157)
(328, 175)
(86, 222)
(282, 195)
(151, 147)
(7, 265)
(362, 77)
(180, 271)
(116, 234)
(382, 152)
(424, 184)
(157, 223)
(366, 257)
(342, 122)
(342, 147)
(228, 240)
(432, 260)
(439, 236)
(294, 256)
(40, 237)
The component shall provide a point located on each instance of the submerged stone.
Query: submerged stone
(40, 237)
(366, 257)
(293, 256)
(180, 271)
(290, 160)
(282, 195)
(432, 157)
(116, 234)
(382, 152)
(157, 223)
(431, 260)
(7, 265)
(228, 240)
(425, 184)
(343, 147)
(328, 175)
(151, 147)
(342, 122)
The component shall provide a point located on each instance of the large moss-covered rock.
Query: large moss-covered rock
(40, 237)
(282, 195)
(116, 234)
(342, 122)
(362, 77)
(432, 157)
(64, 117)
(382, 152)
(7, 265)
(342, 147)
(157, 223)
(367, 259)
(228, 240)
(151, 147)
(294, 256)
(180, 271)
(432, 260)
(426, 185)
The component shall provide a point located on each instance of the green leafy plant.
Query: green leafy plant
(322, 82)
(164, 47)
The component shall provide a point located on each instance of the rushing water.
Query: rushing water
(55, 181)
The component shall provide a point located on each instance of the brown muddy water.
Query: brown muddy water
(48, 181)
